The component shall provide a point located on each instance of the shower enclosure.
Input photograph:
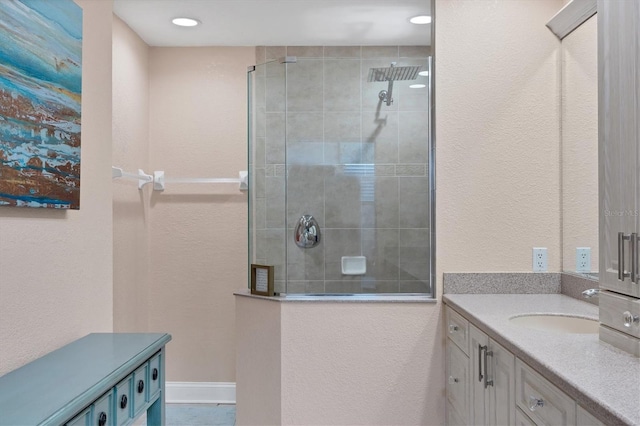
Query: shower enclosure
(340, 169)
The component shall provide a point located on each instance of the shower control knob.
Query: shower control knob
(307, 232)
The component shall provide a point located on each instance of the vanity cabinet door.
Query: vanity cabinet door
(619, 141)
(478, 340)
(457, 385)
(502, 394)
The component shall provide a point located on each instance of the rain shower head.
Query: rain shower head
(391, 74)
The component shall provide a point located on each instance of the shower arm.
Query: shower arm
(390, 93)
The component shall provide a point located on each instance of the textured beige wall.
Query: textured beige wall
(130, 206)
(55, 266)
(258, 362)
(580, 143)
(339, 363)
(198, 233)
(363, 364)
(497, 135)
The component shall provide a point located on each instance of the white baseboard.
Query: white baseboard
(201, 393)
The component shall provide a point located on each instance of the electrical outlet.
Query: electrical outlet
(540, 259)
(583, 259)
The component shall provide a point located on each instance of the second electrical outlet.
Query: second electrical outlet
(540, 259)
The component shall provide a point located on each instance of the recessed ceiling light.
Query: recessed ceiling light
(423, 73)
(185, 22)
(420, 20)
(418, 86)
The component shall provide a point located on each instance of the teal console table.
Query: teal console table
(103, 379)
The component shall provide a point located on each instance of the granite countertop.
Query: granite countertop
(601, 378)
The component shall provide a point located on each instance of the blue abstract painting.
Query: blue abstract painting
(40, 103)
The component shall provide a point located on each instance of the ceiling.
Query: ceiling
(278, 22)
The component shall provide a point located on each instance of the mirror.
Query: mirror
(579, 74)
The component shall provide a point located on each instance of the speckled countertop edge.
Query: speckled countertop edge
(355, 298)
(601, 378)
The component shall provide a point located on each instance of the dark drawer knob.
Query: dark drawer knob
(140, 386)
(123, 402)
(154, 374)
(102, 418)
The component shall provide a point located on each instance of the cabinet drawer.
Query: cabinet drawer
(618, 312)
(584, 418)
(81, 419)
(102, 410)
(542, 401)
(124, 401)
(458, 380)
(522, 419)
(140, 388)
(457, 329)
(154, 376)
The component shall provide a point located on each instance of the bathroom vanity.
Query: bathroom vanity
(500, 371)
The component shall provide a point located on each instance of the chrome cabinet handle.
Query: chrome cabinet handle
(535, 403)
(487, 382)
(621, 239)
(633, 246)
(453, 328)
(453, 380)
(480, 349)
(629, 319)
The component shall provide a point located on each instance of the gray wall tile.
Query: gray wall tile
(413, 194)
(413, 146)
(414, 51)
(338, 243)
(380, 246)
(414, 254)
(305, 85)
(342, 85)
(275, 140)
(342, 127)
(380, 137)
(342, 201)
(379, 51)
(304, 264)
(342, 51)
(275, 195)
(305, 51)
(305, 194)
(275, 52)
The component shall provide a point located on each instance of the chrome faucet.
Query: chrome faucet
(592, 292)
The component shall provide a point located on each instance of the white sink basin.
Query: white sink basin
(557, 323)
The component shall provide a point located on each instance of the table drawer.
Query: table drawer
(457, 329)
(140, 388)
(154, 376)
(81, 419)
(542, 401)
(102, 410)
(620, 312)
(453, 418)
(124, 401)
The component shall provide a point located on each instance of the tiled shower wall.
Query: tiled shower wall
(354, 163)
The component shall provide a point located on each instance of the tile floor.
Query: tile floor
(200, 414)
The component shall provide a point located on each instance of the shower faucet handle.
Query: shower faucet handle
(307, 232)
